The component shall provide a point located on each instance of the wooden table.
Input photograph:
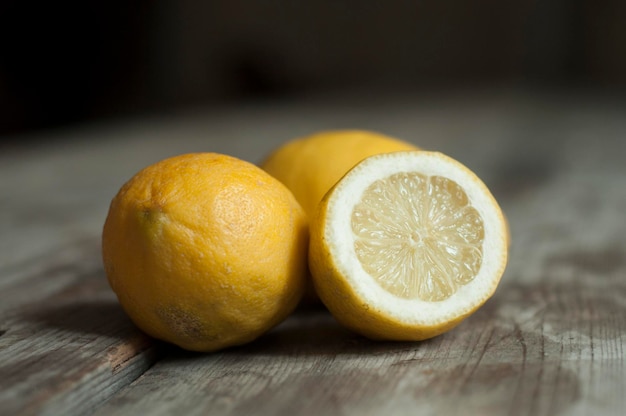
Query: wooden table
(551, 341)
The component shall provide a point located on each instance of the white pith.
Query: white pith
(339, 236)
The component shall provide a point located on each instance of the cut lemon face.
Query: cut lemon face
(407, 245)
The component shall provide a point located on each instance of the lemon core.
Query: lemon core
(418, 236)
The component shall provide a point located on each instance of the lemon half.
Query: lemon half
(406, 245)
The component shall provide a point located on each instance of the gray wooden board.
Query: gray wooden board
(550, 341)
(65, 344)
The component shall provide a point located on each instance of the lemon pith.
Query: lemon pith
(418, 236)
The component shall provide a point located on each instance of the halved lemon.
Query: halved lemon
(406, 245)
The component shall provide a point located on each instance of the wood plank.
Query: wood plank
(532, 350)
(65, 344)
(29, 281)
(549, 342)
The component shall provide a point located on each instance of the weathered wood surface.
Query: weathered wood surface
(551, 340)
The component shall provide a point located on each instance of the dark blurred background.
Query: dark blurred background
(74, 61)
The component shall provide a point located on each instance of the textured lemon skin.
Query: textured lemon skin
(361, 315)
(205, 251)
(311, 165)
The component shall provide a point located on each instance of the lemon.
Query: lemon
(205, 251)
(311, 165)
(407, 245)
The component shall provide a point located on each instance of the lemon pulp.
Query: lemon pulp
(418, 236)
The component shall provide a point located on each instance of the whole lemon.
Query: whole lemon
(205, 250)
(311, 165)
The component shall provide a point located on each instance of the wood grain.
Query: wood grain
(65, 345)
(530, 350)
(550, 341)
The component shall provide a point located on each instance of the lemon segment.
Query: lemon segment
(418, 236)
